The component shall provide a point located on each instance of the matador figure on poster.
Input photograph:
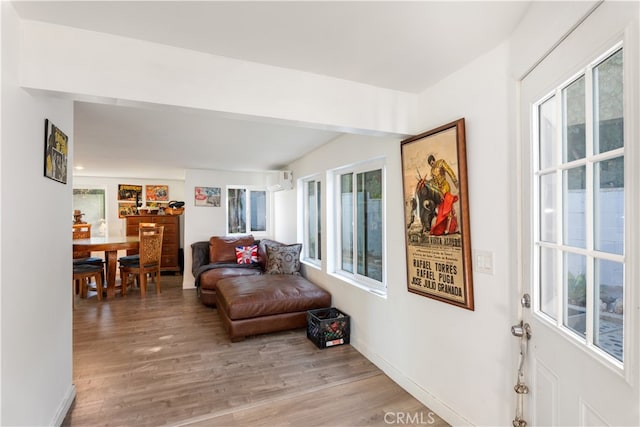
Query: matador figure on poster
(446, 221)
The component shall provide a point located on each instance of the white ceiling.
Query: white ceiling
(405, 46)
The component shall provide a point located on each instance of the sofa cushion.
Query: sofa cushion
(249, 297)
(247, 254)
(262, 250)
(283, 259)
(223, 248)
(209, 279)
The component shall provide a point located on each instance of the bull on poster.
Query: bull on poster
(437, 215)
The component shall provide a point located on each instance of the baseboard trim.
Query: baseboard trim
(443, 410)
(65, 405)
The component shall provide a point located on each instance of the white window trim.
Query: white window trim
(268, 208)
(586, 343)
(106, 200)
(333, 257)
(303, 217)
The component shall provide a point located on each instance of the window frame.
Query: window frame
(105, 207)
(560, 248)
(247, 210)
(335, 258)
(306, 212)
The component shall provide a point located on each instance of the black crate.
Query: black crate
(328, 327)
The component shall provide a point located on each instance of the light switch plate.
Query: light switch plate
(483, 261)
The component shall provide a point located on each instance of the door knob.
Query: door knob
(520, 330)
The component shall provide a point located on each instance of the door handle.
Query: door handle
(520, 330)
(523, 331)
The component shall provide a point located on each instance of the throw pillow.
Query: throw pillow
(222, 248)
(262, 250)
(247, 254)
(284, 259)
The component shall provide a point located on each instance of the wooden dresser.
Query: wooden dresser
(170, 240)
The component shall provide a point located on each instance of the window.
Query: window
(312, 219)
(579, 201)
(91, 202)
(243, 203)
(360, 225)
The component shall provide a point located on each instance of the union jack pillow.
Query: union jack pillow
(247, 254)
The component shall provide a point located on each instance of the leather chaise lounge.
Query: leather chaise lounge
(265, 296)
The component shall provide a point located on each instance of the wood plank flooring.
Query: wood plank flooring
(166, 360)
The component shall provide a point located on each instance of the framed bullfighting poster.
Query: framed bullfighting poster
(438, 239)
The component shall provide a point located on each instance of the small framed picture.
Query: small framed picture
(157, 193)
(126, 209)
(56, 148)
(129, 193)
(207, 196)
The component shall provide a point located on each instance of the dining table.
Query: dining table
(110, 245)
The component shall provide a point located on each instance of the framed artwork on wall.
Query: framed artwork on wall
(207, 196)
(56, 148)
(157, 193)
(438, 239)
(126, 209)
(129, 193)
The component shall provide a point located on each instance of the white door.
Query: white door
(579, 235)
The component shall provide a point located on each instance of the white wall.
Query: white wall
(455, 361)
(117, 226)
(35, 243)
(482, 341)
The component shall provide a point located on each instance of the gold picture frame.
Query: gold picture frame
(437, 232)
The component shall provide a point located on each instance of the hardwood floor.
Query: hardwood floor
(166, 360)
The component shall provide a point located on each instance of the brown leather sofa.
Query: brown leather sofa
(249, 300)
(215, 259)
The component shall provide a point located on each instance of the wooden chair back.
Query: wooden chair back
(81, 231)
(151, 245)
(150, 253)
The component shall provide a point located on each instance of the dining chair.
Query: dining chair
(149, 262)
(82, 275)
(81, 258)
(83, 231)
(133, 259)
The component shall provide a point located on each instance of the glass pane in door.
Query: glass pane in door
(609, 297)
(608, 104)
(547, 130)
(574, 198)
(609, 205)
(575, 289)
(573, 123)
(548, 208)
(548, 280)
